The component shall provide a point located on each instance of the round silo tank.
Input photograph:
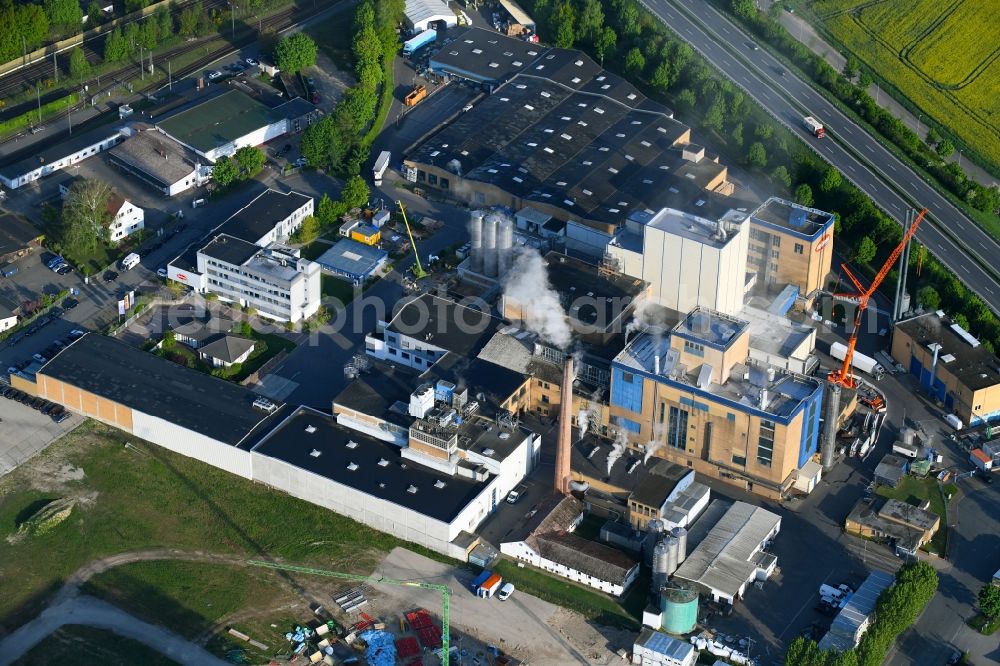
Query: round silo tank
(660, 563)
(655, 526)
(681, 535)
(671, 543)
(680, 609)
(476, 239)
(490, 246)
(505, 245)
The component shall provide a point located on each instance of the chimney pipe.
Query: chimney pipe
(565, 424)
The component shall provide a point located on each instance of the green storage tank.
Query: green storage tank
(680, 609)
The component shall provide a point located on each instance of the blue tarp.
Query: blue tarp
(381, 647)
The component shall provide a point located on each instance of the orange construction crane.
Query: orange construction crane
(844, 377)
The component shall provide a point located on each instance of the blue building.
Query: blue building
(353, 261)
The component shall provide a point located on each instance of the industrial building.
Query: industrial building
(159, 162)
(562, 135)
(951, 366)
(424, 14)
(654, 648)
(855, 617)
(779, 342)
(905, 526)
(18, 237)
(29, 165)
(175, 407)
(219, 125)
(731, 554)
(353, 261)
(275, 280)
(271, 217)
(791, 245)
(689, 261)
(427, 327)
(694, 392)
(546, 541)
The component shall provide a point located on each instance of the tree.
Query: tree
(831, 180)
(933, 137)
(685, 100)
(249, 161)
(764, 131)
(744, 8)
(188, 23)
(135, 5)
(661, 77)
(804, 195)
(866, 251)
(629, 18)
(781, 175)
(66, 14)
(590, 20)
(737, 135)
(716, 114)
(115, 47)
(606, 40)
(851, 67)
(85, 217)
(79, 66)
(563, 25)
(225, 172)
(989, 600)
(326, 211)
(355, 193)
(757, 156)
(803, 652)
(148, 34)
(929, 298)
(308, 232)
(944, 148)
(132, 35)
(295, 52)
(367, 48)
(169, 339)
(865, 79)
(164, 22)
(95, 15)
(635, 62)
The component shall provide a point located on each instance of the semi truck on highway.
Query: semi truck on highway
(867, 364)
(814, 126)
(414, 44)
(381, 164)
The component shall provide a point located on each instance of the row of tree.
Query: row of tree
(245, 164)
(123, 43)
(897, 608)
(851, 88)
(336, 143)
(635, 43)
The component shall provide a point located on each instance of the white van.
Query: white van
(130, 262)
(505, 591)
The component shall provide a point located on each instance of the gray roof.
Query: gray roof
(154, 155)
(628, 472)
(218, 120)
(230, 250)
(891, 468)
(349, 257)
(656, 487)
(444, 323)
(16, 233)
(586, 556)
(109, 368)
(975, 366)
(54, 149)
(227, 348)
(723, 561)
(257, 219)
(844, 629)
(421, 10)
(786, 216)
(660, 643)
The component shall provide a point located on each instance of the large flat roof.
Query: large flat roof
(155, 156)
(787, 216)
(54, 149)
(218, 120)
(444, 323)
(351, 257)
(16, 233)
(152, 385)
(722, 561)
(230, 250)
(859, 607)
(960, 354)
(602, 297)
(437, 495)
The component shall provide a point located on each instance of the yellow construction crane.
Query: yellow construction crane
(417, 270)
(443, 590)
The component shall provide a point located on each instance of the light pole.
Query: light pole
(232, 17)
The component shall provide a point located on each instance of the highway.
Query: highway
(879, 173)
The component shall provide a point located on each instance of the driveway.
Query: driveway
(96, 613)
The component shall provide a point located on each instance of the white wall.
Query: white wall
(17, 180)
(129, 219)
(191, 444)
(257, 137)
(647, 657)
(8, 322)
(193, 279)
(520, 550)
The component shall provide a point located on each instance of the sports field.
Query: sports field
(944, 55)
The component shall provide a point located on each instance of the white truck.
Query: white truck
(867, 364)
(130, 262)
(814, 126)
(381, 164)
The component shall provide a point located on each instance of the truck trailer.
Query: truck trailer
(479, 580)
(381, 164)
(489, 587)
(414, 44)
(867, 364)
(814, 126)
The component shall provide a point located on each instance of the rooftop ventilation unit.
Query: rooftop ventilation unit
(310, 429)
(352, 444)
(382, 462)
(353, 466)
(412, 490)
(488, 452)
(315, 453)
(439, 484)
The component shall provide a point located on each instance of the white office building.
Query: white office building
(275, 280)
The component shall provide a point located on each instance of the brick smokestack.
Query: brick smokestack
(565, 439)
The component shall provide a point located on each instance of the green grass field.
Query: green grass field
(943, 56)
(87, 646)
(133, 500)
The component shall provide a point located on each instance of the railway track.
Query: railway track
(245, 35)
(24, 79)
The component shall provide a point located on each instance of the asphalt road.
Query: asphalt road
(788, 98)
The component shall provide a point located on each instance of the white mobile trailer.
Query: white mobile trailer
(414, 44)
(381, 164)
(838, 350)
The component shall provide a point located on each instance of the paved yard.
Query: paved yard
(25, 431)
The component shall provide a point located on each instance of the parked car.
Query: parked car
(62, 270)
(8, 270)
(70, 303)
(77, 333)
(213, 74)
(251, 61)
(60, 417)
(505, 592)
(299, 163)
(110, 276)
(162, 271)
(40, 358)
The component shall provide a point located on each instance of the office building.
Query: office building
(791, 245)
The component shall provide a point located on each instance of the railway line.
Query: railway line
(245, 35)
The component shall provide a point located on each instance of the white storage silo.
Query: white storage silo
(490, 246)
(681, 535)
(505, 245)
(476, 240)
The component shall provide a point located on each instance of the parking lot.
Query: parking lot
(24, 431)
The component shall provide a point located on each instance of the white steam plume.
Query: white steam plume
(583, 421)
(617, 449)
(527, 284)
